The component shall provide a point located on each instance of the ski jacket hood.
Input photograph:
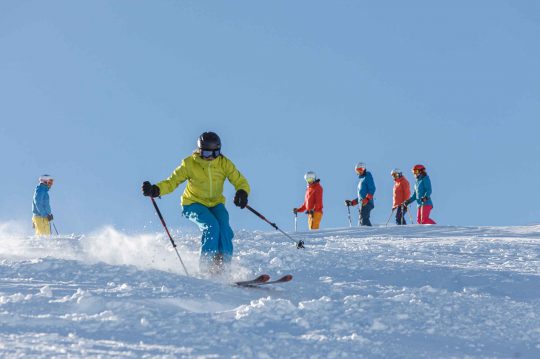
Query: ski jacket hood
(313, 199)
(205, 180)
(40, 203)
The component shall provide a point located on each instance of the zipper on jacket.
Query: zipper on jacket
(210, 176)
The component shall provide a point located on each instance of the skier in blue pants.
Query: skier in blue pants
(203, 202)
(213, 223)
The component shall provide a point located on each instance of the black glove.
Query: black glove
(150, 190)
(425, 199)
(50, 217)
(295, 210)
(406, 203)
(240, 198)
(348, 202)
(310, 212)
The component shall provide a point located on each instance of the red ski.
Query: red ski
(260, 279)
(264, 280)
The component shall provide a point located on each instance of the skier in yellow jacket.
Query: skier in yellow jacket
(202, 201)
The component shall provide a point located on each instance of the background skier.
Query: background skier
(203, 202)
(366, 190)
(313, 201)
(422, 195)
(41, 207)
(401, 193)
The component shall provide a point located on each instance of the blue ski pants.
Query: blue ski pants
(217, 234)
(400, 215)
(365, 212)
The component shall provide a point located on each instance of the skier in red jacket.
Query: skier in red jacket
(313, 202)
(402, 192)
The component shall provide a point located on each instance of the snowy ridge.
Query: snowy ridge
(381, 292)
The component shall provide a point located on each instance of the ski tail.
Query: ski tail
(284, 279)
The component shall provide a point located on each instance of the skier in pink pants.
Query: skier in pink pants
(422, 195)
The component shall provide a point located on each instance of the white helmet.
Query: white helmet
(310, 176)
(45, 178)
(360, 165)
(396, 170)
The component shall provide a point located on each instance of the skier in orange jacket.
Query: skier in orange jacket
(402, 192)
(313, 201)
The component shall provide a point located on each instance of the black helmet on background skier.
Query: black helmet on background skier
(209, 141)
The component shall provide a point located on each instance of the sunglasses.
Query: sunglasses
(210, 153)
(360, 170)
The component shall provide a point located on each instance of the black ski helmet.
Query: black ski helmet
(209, 141)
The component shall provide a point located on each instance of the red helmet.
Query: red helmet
(419, 168)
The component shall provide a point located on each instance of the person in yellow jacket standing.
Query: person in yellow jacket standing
(203, 202)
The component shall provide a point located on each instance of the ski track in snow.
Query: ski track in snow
(380, 292)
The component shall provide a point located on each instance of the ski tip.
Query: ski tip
(286, 278)
(263, 278)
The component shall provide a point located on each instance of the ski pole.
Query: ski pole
(299, 244)
(391, 213)
(295, 221)
(360, 205)
(167, 230)
(410, 215)
(56, 230)
(349, 210)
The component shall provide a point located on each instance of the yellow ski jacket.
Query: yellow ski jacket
(205, 180)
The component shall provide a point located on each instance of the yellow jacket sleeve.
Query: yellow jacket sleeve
(178, 177)
(235, 177)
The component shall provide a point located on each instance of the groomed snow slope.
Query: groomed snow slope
(395, 292)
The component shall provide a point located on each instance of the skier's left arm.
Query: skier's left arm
(42, 203)
(311, 201)
(427, 188)
(370, 186)
(235, 177)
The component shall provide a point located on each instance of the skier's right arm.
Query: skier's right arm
(178, 177)
(411, 200)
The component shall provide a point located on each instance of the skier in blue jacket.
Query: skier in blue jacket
(41, 207)
(366, 190)
(422, 195)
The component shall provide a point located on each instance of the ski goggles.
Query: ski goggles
(310, 180)
(360, 169)
(210, 153)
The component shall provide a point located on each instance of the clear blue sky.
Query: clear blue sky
(106, 94)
